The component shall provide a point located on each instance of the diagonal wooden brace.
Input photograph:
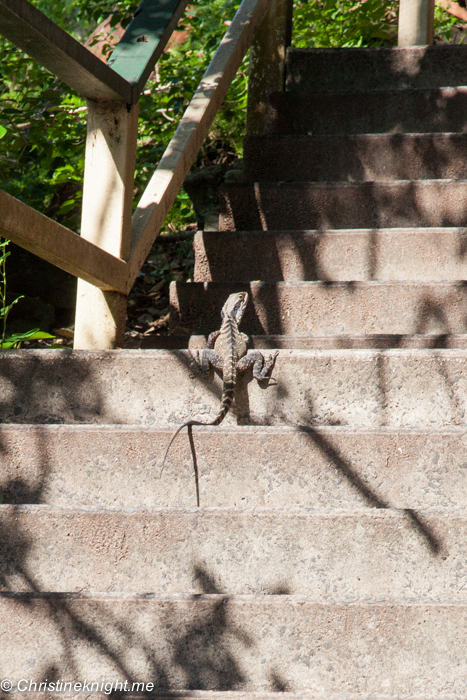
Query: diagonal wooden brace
(58, 245)
(179, 155)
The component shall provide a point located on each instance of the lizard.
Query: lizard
(227, 352)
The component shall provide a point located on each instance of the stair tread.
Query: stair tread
(247, 643)
(318, 308)
(396, 387)
(272, 466)
(417, 255)
(360, 67)
(345, 554)
(346, 205)
(370, 111)
(353, 157)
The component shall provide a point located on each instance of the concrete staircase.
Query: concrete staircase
(328, 558)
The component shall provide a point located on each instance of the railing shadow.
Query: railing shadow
(189, 644)
(373, 499)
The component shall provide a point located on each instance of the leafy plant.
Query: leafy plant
(345, 23)
(443, 24)
(42, 155)
(15, 340)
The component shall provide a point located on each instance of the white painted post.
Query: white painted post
(415, 22)
(106, 219)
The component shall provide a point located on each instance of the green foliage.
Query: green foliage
(5, 308)
(43, 147)
(341, 23)
(42, 154)
(15, 340)
(345, 23)
(170, 90)
(444, 23)
(43, 123)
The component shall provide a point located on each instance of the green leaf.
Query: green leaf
(3, 131)
(35, 334)
(14, 341)
(6, 310)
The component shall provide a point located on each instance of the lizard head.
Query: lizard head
(235, 306)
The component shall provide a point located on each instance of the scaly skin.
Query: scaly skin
(227, 352)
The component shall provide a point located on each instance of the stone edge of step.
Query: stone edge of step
(152, 354)
(345, 184)
(250, 598)
(166, 429)
(445, 91)
(69, 511)
(236, 695)
(411, 230)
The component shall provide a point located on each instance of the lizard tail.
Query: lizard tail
(224, 409)
(227, 399)
(179, 430)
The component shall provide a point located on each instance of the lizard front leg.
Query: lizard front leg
(262, 367)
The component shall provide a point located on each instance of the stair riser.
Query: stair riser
(378, 157)
(368, 113)
(290, 206)
(321, 468)
(321, 309)
(340, 387)
(376, 69)
(219, 643)
(337, 555)
(390, 255)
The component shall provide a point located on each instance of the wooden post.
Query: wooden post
(415, 22)
(267, 62)
(106, 219)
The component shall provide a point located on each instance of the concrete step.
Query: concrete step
(242, 642)
(367, 388)
(398, 254)
(328, 308)
(291, 206)
(361, 553)
(376, 68)
(364, 157)
(372, 112)
(273, 467)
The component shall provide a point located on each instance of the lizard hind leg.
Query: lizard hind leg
(262, 366)
(210, 358)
